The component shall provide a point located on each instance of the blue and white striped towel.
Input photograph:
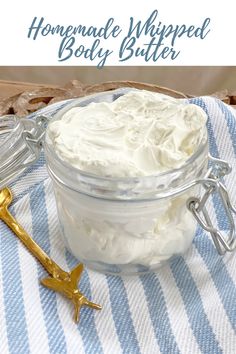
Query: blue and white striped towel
(186, 307)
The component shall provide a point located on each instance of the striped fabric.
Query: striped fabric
(187, 307)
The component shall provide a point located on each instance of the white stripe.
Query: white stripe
(179, 322)
(141, 316)
(211, 301)
(36, 328)
(64, 307)
(103, 319)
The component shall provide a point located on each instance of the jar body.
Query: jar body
(125, 225)
(124, 236)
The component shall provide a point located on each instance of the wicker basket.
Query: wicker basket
(30, 101)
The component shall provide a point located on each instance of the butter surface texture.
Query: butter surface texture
(139, 134)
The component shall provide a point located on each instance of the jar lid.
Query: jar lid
(17, 151)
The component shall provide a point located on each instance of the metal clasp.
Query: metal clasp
(37, 139)
(212, 184)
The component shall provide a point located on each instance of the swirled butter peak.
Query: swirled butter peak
(139, 134)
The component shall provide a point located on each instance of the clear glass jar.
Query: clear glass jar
(132, 225)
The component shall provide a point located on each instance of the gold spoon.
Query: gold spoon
(61, 281)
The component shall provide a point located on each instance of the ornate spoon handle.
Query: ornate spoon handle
(61, 281)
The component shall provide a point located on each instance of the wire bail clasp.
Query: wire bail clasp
(197, 206)
(36, 139)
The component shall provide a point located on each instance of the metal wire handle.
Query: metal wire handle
(37, 140)
(197, 207)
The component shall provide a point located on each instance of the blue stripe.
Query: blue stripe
(122, 316)
(16, 327)
(56, 338)
(159, 314)
(231, 123)
(194, 308)
(218, 271)
(86, 326)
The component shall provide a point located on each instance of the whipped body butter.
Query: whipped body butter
(119, 166)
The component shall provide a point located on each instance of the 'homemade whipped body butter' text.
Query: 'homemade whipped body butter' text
(141, 137)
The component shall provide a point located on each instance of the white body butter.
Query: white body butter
(139, 134)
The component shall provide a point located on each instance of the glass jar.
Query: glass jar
(124, 225)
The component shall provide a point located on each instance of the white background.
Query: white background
(218, 48)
